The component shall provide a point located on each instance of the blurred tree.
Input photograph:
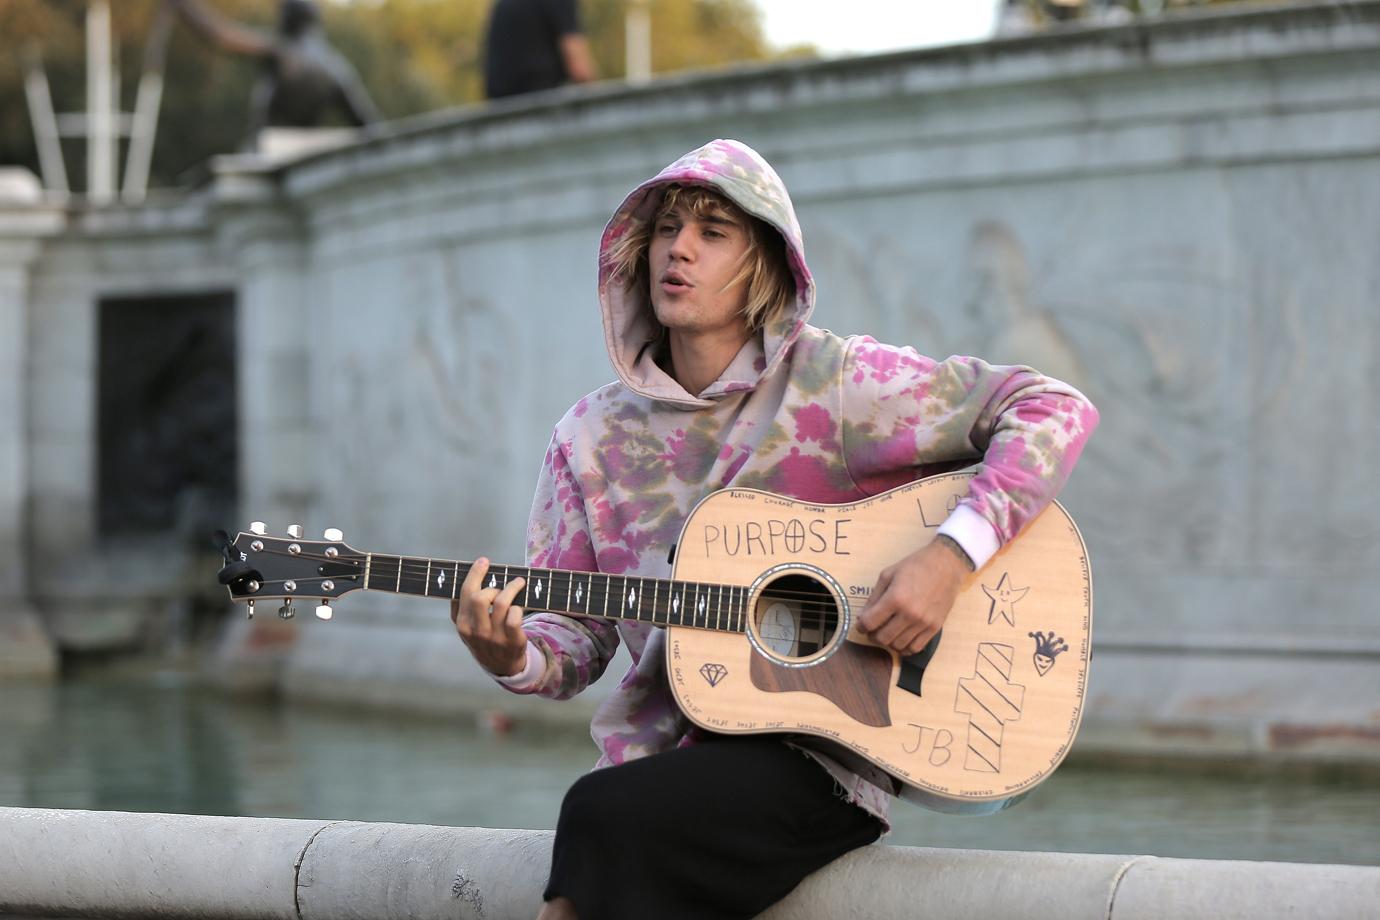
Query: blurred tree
(685, 34)
(413, 56)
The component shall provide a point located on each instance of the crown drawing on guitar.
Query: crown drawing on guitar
(1047, 648)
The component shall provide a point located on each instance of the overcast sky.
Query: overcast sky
(865, 26)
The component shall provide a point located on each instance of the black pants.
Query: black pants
(719, 830)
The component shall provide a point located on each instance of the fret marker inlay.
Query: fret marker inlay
(675, 604)
(493, 581)
(537, 590)
(441, 581)
(579, 594)
(632, 598)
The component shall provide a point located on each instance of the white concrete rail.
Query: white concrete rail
(113, 865)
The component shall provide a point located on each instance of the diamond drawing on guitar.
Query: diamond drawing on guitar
(713, 673)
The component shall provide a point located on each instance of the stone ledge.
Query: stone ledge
(100, 864)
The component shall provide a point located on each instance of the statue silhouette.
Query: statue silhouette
(304, 78)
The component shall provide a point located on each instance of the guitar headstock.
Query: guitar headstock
(285, 570)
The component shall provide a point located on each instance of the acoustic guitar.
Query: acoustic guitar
(762, 635)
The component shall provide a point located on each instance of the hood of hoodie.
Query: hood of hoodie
(739, 173)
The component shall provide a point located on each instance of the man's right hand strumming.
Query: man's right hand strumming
(489, 623)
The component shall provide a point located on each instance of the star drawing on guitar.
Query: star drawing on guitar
(1004, 597)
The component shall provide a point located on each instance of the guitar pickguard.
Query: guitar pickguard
(856, 679)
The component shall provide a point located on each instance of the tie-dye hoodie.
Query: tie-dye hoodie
(801, 412)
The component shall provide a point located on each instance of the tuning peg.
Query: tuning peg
(295, 531)
(258, 527)
(334, 535)
(323, 612)
(286, 612)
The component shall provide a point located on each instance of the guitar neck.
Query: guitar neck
(615, 597)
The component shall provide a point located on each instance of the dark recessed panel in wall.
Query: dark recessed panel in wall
(167, 413)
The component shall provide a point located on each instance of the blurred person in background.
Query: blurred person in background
(705, 297)
(532, 45)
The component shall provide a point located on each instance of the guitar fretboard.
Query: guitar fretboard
(620, 597)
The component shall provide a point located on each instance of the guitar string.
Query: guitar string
(418, 569)
(421, 566)
(809, 604)
(810, 609)
(385, 569)
(737, 622)
(813, 611)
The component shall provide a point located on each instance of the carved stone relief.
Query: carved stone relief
(1118, 324)
(436, 453)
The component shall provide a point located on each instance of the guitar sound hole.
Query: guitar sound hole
(795, 617)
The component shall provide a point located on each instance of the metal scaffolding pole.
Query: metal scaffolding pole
(145, 122)
(44, 121)
(638, 41)
(101, 141)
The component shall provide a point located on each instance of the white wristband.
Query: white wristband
(971, 531)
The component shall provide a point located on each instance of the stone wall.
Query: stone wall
(25, 649)
(1178, 217)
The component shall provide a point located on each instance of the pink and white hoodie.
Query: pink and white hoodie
(801, 412)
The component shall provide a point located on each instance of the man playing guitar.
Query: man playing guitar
(722, 383)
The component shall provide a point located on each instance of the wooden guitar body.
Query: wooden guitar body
(985, 719)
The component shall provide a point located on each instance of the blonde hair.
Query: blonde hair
(770, 284)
